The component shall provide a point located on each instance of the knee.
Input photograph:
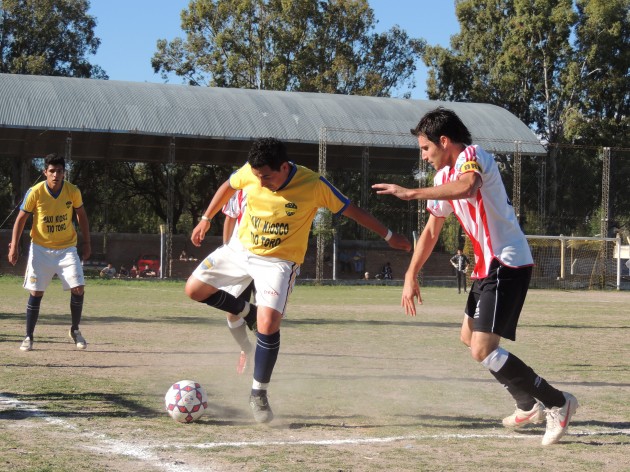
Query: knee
(78, 290)
(478, 353)
(465, 339)
(193, 291)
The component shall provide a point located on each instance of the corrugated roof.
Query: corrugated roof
(98, 106)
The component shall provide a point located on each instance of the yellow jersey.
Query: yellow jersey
(277, 224)
(52, 215)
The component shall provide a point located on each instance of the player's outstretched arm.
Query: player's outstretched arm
(365, 219)
(395, 190)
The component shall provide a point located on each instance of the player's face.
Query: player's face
(272, 179)
(54, 176)
(432, 153)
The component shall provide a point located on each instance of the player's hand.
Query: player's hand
(199, 233)
(393, 189)
(398, 241)
(13, 255)
(411, 291)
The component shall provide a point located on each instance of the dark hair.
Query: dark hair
(442, 122)
(267, 152)
(54, 160)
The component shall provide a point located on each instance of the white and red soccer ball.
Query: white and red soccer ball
(186, 401)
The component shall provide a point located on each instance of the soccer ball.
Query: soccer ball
(186, 401)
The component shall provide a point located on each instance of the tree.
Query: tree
(48, 37)
(599, 75)
(561, 66)
(301, 45)
(132, 196)
(44, 37)
(510, 53)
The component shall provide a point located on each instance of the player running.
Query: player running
(468, 184)
(53, 245)
(282, 201)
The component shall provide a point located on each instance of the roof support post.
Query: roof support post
(170, 203)
(516, 187)
(321, 242)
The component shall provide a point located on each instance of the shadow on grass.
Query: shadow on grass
(214, 317)
(341, 322)
(73, 405)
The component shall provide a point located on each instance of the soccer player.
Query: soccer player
(468, 184)
(234, 210)
(282, 201)
(460, 262)
(53, 245)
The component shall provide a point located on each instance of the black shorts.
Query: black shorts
(495, 302)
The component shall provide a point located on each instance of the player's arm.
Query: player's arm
(18, 229)
(465, 186)
(421, 253)
(220, 198)
(365, 219)
(85, 232)
(228, 228)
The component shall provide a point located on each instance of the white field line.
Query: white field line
(103, 443)
(145, 452)
(416, 437)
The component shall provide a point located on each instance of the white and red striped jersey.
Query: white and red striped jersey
(235, 208)
(487, 218)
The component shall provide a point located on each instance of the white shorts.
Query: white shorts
(233, 271)
(44, 263)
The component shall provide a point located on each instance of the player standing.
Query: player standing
(53, 245)
(282, 201)
(468, 184)
(234, 210)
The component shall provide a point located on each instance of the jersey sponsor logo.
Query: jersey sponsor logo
(470, 166)
(275, 228)
(290, 208)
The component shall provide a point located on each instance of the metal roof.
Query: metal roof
(139, 121)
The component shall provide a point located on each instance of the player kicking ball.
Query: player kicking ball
(468, 184)
(282, 201)
(53, 245)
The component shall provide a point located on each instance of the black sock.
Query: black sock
(32, 314)
(523, 400)
(267, 349)
(222, 300)
(523, 377)
(76, 309)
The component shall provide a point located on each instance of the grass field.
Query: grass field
(357, 387)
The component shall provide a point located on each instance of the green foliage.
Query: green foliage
(306, 46)
(561, 66)
(132, 196)
(48, 37)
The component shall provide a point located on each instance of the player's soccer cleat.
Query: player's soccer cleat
(251, 318)
(242, 363)
(558, 419)
(78, 339)
(260, 407)
(27, 344)
(520, 417)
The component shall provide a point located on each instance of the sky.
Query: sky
(129, 30)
